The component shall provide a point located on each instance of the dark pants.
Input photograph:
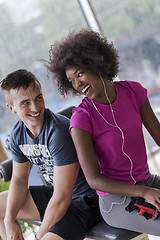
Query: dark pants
(83, 213)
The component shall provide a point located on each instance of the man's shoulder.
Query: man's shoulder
(17, 133)
(18, 128)
(55, 118)
(55, 125)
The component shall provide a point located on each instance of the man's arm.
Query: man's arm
(64, 181)
(16, 198)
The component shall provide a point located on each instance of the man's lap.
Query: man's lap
(81, 215)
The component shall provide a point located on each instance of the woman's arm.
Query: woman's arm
(88, 161)
(64, 181)
(150, 121)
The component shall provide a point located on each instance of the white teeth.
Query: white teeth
(84, 89)
(36, 115)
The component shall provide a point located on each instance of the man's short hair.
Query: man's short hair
(17, 79)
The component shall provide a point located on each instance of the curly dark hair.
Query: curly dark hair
(87, 50)
(17, 79)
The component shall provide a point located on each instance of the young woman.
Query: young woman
(107, 127)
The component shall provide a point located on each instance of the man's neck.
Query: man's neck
(32, 134)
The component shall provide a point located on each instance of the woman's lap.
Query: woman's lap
(113, 211)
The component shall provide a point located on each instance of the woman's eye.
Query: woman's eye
(80, 74)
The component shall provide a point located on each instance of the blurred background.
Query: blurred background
(28, 29)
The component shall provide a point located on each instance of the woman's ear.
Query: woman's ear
(11, 108)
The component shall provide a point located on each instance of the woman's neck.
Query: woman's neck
(109, 94)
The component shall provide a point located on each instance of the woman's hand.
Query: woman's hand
(152, 195)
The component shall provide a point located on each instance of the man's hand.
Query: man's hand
(13, 230)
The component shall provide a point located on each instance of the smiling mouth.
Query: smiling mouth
(84, 90)
(35, 115)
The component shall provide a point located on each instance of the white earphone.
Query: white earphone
(123, 139)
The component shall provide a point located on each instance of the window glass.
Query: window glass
(134, 28)
(27, 30)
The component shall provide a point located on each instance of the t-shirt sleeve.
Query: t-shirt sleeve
(62, 148)
(81, 119)
(140, 92)
(16, 153)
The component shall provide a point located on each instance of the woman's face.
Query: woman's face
(86, 83)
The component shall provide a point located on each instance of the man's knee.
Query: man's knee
(29, 210)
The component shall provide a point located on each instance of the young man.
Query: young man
(41, 137)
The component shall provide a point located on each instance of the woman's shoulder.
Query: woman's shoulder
(132, 88)
(134, 85)
(81, 116)
(84, 106)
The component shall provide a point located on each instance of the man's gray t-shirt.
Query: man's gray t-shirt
(52, 146)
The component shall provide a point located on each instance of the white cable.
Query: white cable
(116, 125)
(112, 204)
(122, 147)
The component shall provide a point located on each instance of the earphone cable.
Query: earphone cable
(116, 125)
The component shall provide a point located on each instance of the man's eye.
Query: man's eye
(39, 98)
(25, 103)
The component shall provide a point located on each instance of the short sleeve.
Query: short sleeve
(16, 153)
(140, 92)
(61, 147)
(81, 119)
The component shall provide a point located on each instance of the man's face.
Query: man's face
(29, 105)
